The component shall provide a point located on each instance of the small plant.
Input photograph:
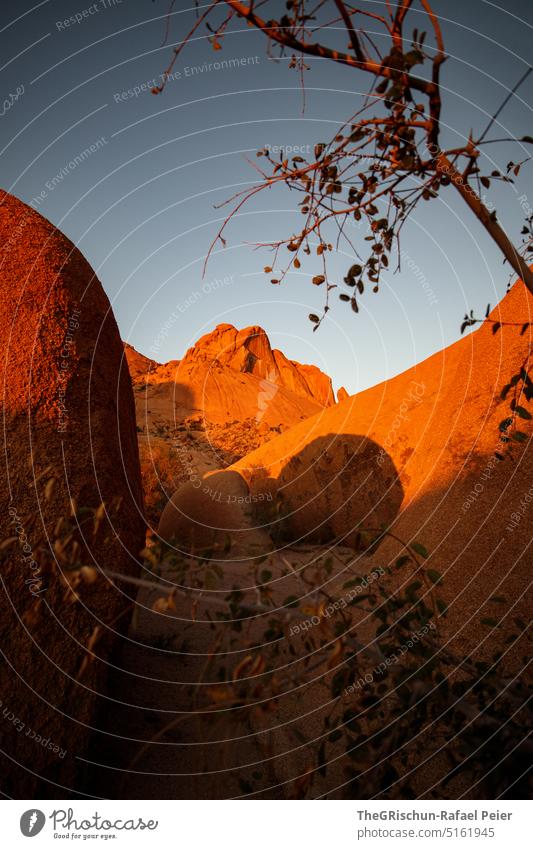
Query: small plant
(162, 472)
(60, 564)
(393, 692)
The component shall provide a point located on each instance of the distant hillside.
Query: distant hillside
(229, 394)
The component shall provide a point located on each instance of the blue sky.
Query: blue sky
(141, 205)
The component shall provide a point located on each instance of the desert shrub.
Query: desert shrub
(391, 692)
(161, 473)
(394, 693)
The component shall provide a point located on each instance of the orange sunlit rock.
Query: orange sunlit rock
(465, 492)
(69, 438)
(229, 375)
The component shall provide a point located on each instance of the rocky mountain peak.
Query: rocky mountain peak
(248, 350)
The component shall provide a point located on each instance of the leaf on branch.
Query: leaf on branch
(402, 561)
(434, 576)
(420, 549)
(505, 390)
(413, 57)
(468, 322)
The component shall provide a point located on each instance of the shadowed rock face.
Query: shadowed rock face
(213, 513)
(334, 488)
(439, 425)
(69, 426)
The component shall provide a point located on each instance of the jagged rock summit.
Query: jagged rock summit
(228, 378)
(249, 351)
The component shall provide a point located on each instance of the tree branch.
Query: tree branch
(349, 26)
(440, 57)
(487, 219)
(368, 65)
(505, 102)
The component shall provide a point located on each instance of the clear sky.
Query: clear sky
(141, 205)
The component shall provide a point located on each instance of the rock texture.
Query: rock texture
(248, 351)
(213, 515)
(139, 366)
(233, 375)
(69, 439)
(437, 428)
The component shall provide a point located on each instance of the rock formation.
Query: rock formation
(229, 375)
(248, 351)
(229, 378)
(439, 429)
(441, 456)
(229, 394)
(213, 515)
(69, 445)
(423, 453)
(139, 366)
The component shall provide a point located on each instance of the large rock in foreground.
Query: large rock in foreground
(69, 444)
(213, 516)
